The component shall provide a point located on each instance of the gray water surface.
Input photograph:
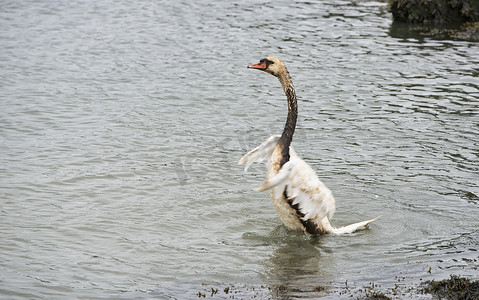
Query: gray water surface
(122, 123)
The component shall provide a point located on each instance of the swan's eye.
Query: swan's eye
(267, 62)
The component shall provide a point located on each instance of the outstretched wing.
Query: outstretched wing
(312, 200)
(304, 191)
(260, 153)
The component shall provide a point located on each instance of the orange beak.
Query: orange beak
(260, 66)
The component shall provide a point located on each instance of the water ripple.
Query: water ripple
(122, 123)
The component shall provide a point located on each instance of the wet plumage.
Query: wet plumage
(303, 202)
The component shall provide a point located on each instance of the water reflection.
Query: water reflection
(296, 267)
(464, 32)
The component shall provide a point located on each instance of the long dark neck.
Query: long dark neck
(287, 136)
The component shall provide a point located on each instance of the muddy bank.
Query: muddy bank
(456, 287)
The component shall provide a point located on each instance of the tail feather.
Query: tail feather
(327, 228)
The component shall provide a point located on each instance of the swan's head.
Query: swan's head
(271, 65)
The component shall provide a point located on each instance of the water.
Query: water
(122, 124)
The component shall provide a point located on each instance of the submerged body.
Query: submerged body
(302, 201)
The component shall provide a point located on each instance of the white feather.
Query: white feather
(260, 153)
(308, 194)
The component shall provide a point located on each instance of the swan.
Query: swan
(302, 201)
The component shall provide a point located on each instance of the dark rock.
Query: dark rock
(435, 12)
(454, 288)
(440, 19)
